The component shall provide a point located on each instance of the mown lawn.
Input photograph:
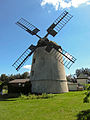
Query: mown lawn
(59, 107)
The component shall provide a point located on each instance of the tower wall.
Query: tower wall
(47, 72)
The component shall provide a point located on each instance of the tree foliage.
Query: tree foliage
(5, 78)
(71, 78)
(86, 98)
(85, 71)
(84, 115)
(25, 75)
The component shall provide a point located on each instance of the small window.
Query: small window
(33, 60)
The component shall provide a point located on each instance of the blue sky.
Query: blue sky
(74, 37)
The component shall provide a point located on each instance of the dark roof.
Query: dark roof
(19, 81)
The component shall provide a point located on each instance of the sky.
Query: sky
(74, 37)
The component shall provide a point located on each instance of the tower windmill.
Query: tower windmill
(47, 71)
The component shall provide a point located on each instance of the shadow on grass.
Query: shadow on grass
(6, 100)
(7, 97)
(84, 115)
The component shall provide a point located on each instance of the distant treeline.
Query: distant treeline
(5, 78)
(71, 78)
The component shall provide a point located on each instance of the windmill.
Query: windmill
(47, 71)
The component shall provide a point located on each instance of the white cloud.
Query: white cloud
(27, 67)
(65, 3)
(88, 3)
(69, 56)
(76, 3)
(55, 3)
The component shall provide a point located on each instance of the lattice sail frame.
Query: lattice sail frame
(59, 23)
(64, 57)
(60, 54)
(24, 57)
(24, 24)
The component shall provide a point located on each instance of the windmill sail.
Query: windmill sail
(52, 48)
(24, 24)
(59, 23)
(65, 58)
(68, 59)
(24, 57)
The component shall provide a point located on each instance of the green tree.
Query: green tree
(17, 76)
(85, 71)
(78, 72)
(86, 98)
(71, 78)
(25, 75)
(11, 77)
(4, 78)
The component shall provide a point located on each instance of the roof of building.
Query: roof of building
(71, 83)
(82, 76)
(19, 81)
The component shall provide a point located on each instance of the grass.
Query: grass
(43, 96)
(59, 107)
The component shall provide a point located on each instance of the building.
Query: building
(19, 86)
(72, 86)
(47, 72)
(83, 79)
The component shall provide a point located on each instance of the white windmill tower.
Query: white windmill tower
(47, 72)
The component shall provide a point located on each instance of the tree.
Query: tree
(84, 115)
(71, 78)
(25, 75)
(11, 77)
(86, 98)
(4, 78)
(85, 71)
(78, 72)
(17, 76)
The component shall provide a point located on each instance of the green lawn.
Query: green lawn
(60, 107)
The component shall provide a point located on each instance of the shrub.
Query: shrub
(33, 96)
(84, 115)
(86, 98)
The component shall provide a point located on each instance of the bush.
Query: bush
(86, 98)
(33, 96)
(84, 115)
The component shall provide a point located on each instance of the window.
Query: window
(33, 60)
